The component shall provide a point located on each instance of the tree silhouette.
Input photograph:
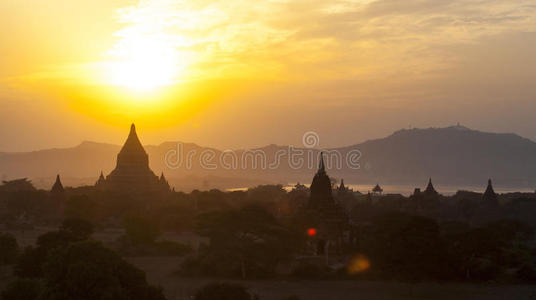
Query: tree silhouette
(88, 270)
(240, 241)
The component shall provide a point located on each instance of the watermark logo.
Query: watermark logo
(295, 158)
(310, 139)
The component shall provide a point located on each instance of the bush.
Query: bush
(81, 207)
(239, 241)
(22, 289)
(9, 249)
(88, 270)
(55, 239)
(140, 230)
(484, 269)
(79, 228)
(223, 291)
(415, 251)
(527, 273)
(31, 261)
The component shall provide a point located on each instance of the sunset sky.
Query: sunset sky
(246, 73)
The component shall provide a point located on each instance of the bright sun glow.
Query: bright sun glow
(144, 63)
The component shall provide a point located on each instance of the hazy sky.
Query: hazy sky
(243, 73)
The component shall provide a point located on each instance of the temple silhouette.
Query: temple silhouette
(489, 197)
(332, 221)
(132, 172)
(57, 188)
(430, 191)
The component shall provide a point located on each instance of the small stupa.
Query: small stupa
(57, 188)
(490, 197)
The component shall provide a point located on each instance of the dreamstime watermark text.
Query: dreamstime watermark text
(268, 158)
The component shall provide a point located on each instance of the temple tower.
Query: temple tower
(163, 181)
(57, 188)
(57, 197)
(320, 187)
(489, 197)
(331, 220)
(430, 190)
(132, 172)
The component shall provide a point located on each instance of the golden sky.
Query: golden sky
(241, 73)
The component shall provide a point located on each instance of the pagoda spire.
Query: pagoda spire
(430, 187)
(321, 187)
(132, 144)
(164, 181)
(132, 152)
(342, 190)
(101, 180)
(321, 167)
(489, 188)
(57, 187)
(132, 134)
(489, 197)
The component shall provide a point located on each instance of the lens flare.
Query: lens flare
(359, 263)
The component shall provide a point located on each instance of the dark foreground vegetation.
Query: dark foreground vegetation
(67, 264)
(257, 234)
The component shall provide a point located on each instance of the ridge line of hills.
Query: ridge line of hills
(453, 155)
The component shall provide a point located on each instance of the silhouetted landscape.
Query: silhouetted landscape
(454, 156)
(95, 240)
(267, 150)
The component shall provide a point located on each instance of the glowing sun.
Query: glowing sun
(144, 63)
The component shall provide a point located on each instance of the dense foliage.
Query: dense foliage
(88, 270)
(22, 289)
(72, 266)
(9, 249)
(249, 234)
(79, 228)
(248, 242)
(412, 247)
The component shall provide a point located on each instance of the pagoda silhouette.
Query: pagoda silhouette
(132, 172)
(331, 220)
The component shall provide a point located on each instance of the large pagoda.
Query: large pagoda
(331, 220)
(132, 172)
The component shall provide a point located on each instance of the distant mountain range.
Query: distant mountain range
(451, 156)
